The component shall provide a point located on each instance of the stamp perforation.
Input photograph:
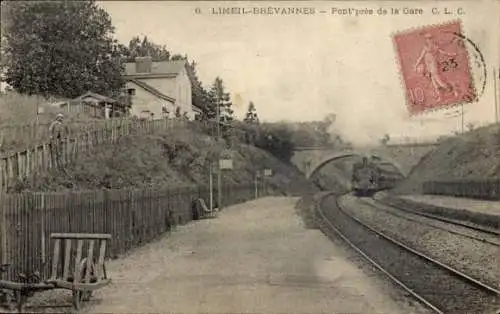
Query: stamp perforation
(403, 81)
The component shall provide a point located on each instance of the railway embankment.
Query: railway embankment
(473, 156)
(173, 158)
(480, 212)
(459, 179)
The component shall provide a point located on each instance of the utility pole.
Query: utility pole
(462, 114)
(211, 184)
(256, 184)
(496, 94)
(219, 174)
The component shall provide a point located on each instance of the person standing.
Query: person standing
(57, 133)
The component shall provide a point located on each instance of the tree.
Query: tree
(251, 124)
(60, 48)
(251, 115)
(138, 47)
(277, 139)
(199, 95)
(222, 102)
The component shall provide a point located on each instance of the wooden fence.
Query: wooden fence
(488, 189)
(41, 157)
(33, 134)
(132, 217)
(37, 134)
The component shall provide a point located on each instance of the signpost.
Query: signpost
(257, 175)
(225, 163)
(267, 173)
(211, 185)
(496, 94)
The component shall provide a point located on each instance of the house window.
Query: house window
(131, 91)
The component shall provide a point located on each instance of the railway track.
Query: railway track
(456, 222)
(488, 236)
(439, 287)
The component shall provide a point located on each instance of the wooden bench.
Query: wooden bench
(80, 273)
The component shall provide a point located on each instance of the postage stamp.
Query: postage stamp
(435, 68)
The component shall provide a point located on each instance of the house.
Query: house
(96, 105)
(159, 89)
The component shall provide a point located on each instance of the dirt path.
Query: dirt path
(256, 257)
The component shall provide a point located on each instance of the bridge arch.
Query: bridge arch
(347, 154)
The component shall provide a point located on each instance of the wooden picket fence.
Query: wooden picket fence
(41, 158)
(132, 217)
(33, 134)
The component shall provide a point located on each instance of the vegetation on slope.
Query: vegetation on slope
(174, 158)
(474, 155)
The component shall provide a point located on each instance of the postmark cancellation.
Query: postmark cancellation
(434, 67)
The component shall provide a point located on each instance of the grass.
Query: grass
(173, 158)
(473, 155)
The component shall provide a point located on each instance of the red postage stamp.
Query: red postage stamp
(435, 67)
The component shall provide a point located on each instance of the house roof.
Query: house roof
(96, 97)
(158, 69)
(152, 90)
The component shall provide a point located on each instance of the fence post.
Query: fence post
(27, 163)
(18, 165)
(3, 228)
(35, 159)
(42, 227)
(44, 157)
(10, 170)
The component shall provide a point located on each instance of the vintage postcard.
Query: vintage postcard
(250, 156)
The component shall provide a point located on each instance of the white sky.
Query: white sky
(301, 68)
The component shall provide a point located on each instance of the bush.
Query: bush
(277, 139)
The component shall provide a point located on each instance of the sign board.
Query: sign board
(226, 164)
(268, 172)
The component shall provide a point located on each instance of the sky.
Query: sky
(303, 67)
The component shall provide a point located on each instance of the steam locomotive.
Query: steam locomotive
(369, 177)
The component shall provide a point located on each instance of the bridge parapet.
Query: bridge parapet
(403, 157)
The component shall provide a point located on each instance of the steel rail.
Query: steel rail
(453, 272)
(377, 265)
(380, 206)
(428, 258)
(445, 219)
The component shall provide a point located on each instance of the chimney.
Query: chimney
(143, 64)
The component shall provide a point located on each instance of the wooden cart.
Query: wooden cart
(81, 273)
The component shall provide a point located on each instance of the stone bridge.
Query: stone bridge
(403, 157)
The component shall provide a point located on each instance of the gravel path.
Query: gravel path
(480, 260)
(256, 257)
